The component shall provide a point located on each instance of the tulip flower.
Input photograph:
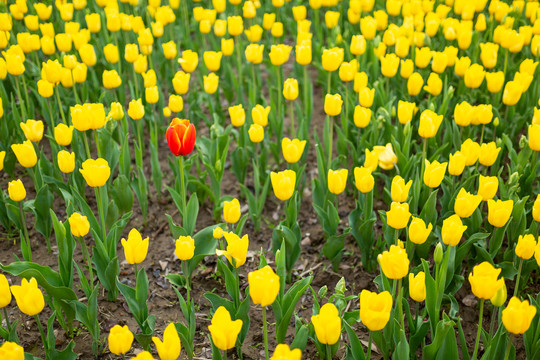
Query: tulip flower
(332, 58)
(366, 97)
(136, 109)
(417, 286)
(525, 246)
(259, 115)
(466, 203)
(362, 116)
(16, 190)
(488, 153)
(434, 84)
(279, 54)
(394, 263)
(211, 82)
(5, 293)
(386, 156)
(375, 309)
(254, 53)
(78, 225)
(434, 173)
(399, 189)
(256, 133)
(135, 248)
(181, 135)
(389, 65)
(487, 187)
(418, 231)
(452, 230)
(185, 247)
(337, 180)
(283, 352)
(484, 280)
(66, 161)
(414, 84)
(63, 134)
(217, 233)
(398, 216)
(28, 297)
(499, 212)
(283, 183)
(332, 104)
(363, 179)
(33, 130)
(223, 330)
(534, 137)
(290, 89)
(500, 297)
(429, 123)
(181, 82)
(512, 93)
(327, 324)
(518, 315)
(189, 61)
(212, 60)
(25, 153)
(405, 111)
(169, 348)
(120, 339)
(264, 287)
(303, 54)
(236, 251)
(231, 211)
(292, 149)
(95, 172)
(143, 355)
(12, 351)
(474, 76)
(237, 114)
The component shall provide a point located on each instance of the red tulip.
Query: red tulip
(181, 137)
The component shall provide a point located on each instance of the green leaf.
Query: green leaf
(192, 209)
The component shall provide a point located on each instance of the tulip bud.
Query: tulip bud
(438, 254)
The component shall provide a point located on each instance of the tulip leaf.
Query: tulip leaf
(122, 194)
(356, 345)
(185, 339)
(402, 348)
(287, 306)
(442, 329)
(300, 338)
(192, 210)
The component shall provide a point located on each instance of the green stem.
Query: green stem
(23, 108)
(516, 289)
(101, 214)
(482, 133)
(328, 352)
(57, 92)
(329, 83)
(265, 332)
(508, 347)
(330, 140)
(400, 305)
(50, 113)
(188, 280)
(492, 321)
(86, 147)
(396, 236)
(42, 333)
(96, 139)
(25, 231)
(86, 257)
(7, 319)
(224, 354)
(293, 131)
(182, 184)
(306, 95)
(479, 332)
(424, 151)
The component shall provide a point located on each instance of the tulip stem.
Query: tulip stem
(86, 257)
(23, 109)
(96, 139)
(424, 150)
(86, 147)
(25, 232)
(7, 318)
(492, 322)
(42, 333)
(396, 236)
(60, 105)
(265, 332)
(101, 214)
(369, 346)
(400, 304)
(328, 352)
(188, 280)
(306, 96)
(182, 184)
(516, 289)
(482, 133)
(479, 332)
(293, 132)
(330, 140)
(508, 347)
(224, 354)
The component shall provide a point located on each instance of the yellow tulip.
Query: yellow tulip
(16, 190)
(88, 116)
(487, 187)
(254, 53)
(405, 111)
(66, 161)
(484, 280)
(471, 150)
(170, 347)
(28, 296)
(259, 115)
(231, 211)
(283, 183)
(363, 179)
(387, 157)
(414, 84)
(235, 25)
(181, 82)
(337, 180)
(169, 50)
(212, 60)
(33, 130)
(474, 76)
(78, 224)
(358, 45)
(237, 114)
(417, 286)
(135, 248)
(375, 309)
(398, 216)
(434, 173)
(499, 212)
(290, 89)
(283, 352)
(189, 61)
(227, 46)
(332, 58)
(525, 246)
(237, 248)
(25, 153)
(136, 109)
(429, 123)
(184, 247)
(264, 286)
(418, 231)
(223, 330)
(279, 54)
(466, 203)
(256, 133)
(512, 93)
(399, 189)
(95, 172)
(332, 104)
(327, 324)
(111, 79)
(5, 293)
(452, 230)
(434, 84)
(120, 339)
(389, 65)
(394, 262)
(518, 315)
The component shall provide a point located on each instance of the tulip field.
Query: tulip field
(284, 180)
